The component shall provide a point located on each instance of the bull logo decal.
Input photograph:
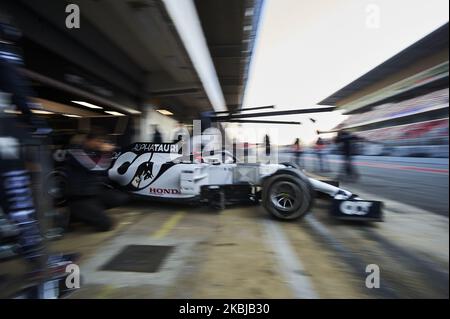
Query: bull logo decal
(135, 172)
(143, 173)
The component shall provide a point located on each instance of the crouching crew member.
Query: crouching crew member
(88, 192)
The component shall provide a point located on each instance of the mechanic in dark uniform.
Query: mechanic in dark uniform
(267, 144)
(87, 191)
(16, 198)
(182, 138)
(157, 137)
(347, 141)
(321, 163)
(297, 151)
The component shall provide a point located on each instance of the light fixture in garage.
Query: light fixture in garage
(114, 113)
(248, 27)
(42, 112)
(71, 115)
(249, 12)
(12, 111)
(134, 111)
(89, 105)
(165, 112)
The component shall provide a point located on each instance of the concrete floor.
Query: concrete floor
(242, 253)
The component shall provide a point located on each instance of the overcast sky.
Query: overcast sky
(308, 49)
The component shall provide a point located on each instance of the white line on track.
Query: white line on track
(290, 264)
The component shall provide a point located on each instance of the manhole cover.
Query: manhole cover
(138, 258)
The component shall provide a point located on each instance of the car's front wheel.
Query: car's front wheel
(287, 196)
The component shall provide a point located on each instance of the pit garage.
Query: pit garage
(130, 71)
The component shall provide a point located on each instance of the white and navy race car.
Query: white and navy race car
(162, 172)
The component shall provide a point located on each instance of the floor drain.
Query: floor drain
(138, 258)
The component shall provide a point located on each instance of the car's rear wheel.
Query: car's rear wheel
(287, 196)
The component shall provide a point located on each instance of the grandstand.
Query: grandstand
(400, 108)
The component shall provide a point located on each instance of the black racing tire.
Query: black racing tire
(287, 196)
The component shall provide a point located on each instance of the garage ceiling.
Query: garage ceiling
(132, 45)
(230, 28)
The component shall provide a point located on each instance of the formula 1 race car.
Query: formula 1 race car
(162, 172)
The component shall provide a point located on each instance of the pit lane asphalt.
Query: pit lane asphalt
(241, 252)
(419, 182)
